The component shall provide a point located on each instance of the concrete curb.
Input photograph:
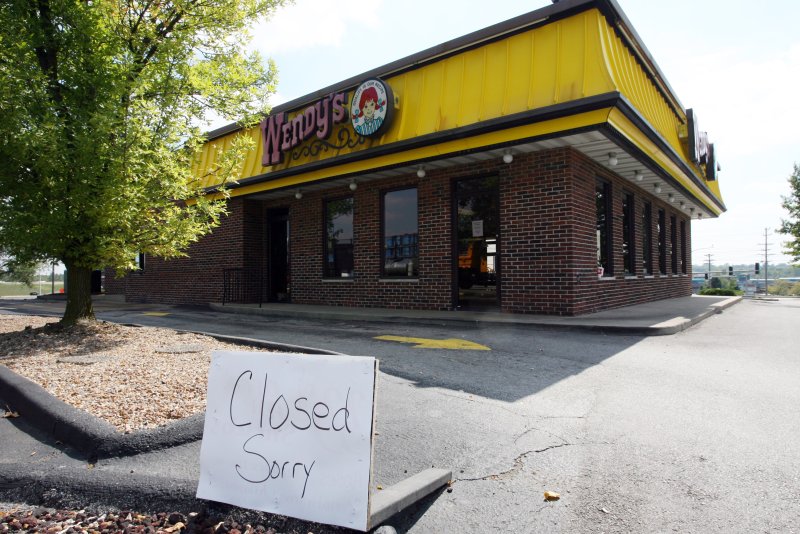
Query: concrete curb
(556, 323)
(94, 487)
(98, 489)
(94, 437)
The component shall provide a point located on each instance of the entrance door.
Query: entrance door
(477, 208)
(278, 261)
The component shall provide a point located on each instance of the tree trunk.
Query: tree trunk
(79, 295)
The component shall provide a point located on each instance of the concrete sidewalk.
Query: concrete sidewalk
(662, 317)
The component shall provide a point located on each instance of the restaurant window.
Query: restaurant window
(139, 262)
(662, 243)
(628, 249)
(339, 238)
(673, 243)
(683, 247)
(400, 233)
(647, 239)
(605, 264)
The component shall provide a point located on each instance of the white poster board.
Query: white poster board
(290, 434)
(477, 228)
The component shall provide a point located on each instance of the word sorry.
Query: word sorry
(280, 136)
(272, 470)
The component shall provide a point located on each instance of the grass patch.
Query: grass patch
(18, 289)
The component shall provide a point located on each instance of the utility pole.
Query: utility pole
(709, 265)
(766, 262)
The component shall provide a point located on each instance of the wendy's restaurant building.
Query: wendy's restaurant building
(541, 165)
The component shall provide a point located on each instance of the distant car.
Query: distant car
(34, 293)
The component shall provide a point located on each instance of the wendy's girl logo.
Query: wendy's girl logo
(371, 107)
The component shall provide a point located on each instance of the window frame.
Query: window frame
(629, 233)
(607, 229)
(673, 242)
(647, 238)
(662, 242)
(683, 247)
(139, 263)
(326, 272)
(383, 248)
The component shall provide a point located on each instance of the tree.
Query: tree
(102, 106)
(12, 270)
(791, 226)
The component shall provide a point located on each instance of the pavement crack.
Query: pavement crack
(553, 447)
(495, 476)
(531, 429)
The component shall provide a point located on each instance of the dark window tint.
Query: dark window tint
(603, 210)
(628, 253)
(673, 243)
(400, 233)
(647, 239)
(684, 260)
(662, 243)
(339, 238)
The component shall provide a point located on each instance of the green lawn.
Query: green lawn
(15, 289)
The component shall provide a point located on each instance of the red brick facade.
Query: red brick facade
(547, 256)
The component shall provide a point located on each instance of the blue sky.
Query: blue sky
(736, 62)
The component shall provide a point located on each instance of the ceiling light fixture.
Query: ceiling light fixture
(508, 157)
(657, 188)
(421, 172)
(298, 195)
(638, 176)
(353, 185)
(612, 159)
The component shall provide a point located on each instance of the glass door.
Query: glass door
(477, 240)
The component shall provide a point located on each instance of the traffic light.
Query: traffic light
(706, 276)
(730, 270)
(758, 267)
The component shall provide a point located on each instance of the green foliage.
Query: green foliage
(791, 226)
(102, 105)
(715, 282)
(12, 270)
(718, 292)
(785, 288)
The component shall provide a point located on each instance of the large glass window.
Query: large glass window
(662, 243)
(628, 251)
(603, 210)
(339, 238)
(647, 238)
(683, 247)
(400, 233)
(673, 243)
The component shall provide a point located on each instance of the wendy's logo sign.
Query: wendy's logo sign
(371, 108)
(280, 136)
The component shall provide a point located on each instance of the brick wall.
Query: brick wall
(431, 290)
(197, 278)
(546, 249)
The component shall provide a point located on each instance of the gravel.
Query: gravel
(15, 518)
(132, 377)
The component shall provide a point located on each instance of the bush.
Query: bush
(786, 288)
(715, 291)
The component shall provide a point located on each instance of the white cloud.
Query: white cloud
(311, 23)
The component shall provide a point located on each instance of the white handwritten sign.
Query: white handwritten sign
(290, 434)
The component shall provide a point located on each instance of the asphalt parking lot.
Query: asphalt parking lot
(696, 431)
